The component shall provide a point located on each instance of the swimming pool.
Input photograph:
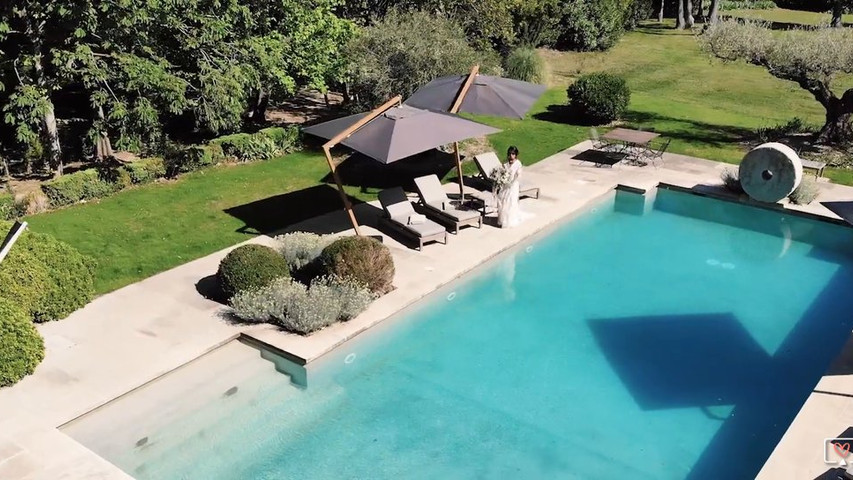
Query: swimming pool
(673, 342)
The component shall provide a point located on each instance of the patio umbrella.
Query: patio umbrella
(478, 94)
(401, 132)
(486, 95)
(393, 132)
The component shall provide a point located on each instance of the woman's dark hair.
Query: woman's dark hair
(512, 151)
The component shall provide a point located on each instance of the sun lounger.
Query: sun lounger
(401, 216)
(487, 162)
(435, 204)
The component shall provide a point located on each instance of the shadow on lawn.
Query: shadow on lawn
(700, 132)
(279, 212)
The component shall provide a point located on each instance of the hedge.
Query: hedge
(83, 185)
(146, 170)
(21, 346)
(192, 158)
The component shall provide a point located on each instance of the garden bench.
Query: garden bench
(816, 166)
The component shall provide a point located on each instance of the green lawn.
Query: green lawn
(146, 230)
(708, 109)
(782, 15)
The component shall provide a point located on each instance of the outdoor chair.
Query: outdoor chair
(599, 143)
(434, 203)
(488, 162)
(401, 216)
(653, 155)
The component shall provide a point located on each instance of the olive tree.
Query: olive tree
(811, 59)
(405, 50)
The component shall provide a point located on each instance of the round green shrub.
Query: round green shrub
(361, 259)
(599, 97)
(250, 266)
(48, 278)
(21, 346)
(525, 64)
(70, 281)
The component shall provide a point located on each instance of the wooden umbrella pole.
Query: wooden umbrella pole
(457, 104)
(344, 198)
(327, 147)
(459, 170)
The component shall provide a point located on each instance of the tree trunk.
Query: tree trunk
(257, 111)
(679, 19)
(713, 13)
(51, 134)
(837, 128)
(688, 13)
(700, 11)
(837, 11)
(660, 12)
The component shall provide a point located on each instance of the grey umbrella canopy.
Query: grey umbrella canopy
(487, 95)
(401, 132)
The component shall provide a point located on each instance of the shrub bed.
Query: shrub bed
(249, 267)
(21, 346)
(8, 208)
(246, 147)
(285, 139)
(731, 181)
(525, 64)
(74, 187)
(805, 193)
(145, 171)
(599, 97)
(301, 309)
(360, 259)
(47, 278)
(301, 251)
(192, 158)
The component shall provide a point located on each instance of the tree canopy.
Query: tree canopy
(132, 68)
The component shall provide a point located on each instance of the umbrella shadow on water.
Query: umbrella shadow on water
(362, 171)
(279, 212)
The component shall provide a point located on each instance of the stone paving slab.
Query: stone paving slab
(133, 335)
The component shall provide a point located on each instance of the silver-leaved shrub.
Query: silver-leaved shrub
(301, 248)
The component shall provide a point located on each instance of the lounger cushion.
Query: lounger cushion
(422, 229)
(461, 215)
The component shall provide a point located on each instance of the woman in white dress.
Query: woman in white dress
(509, 213)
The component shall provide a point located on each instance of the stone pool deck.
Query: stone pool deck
(133, 335)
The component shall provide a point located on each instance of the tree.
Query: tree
(713, 12)
(405, 50)
(838, 9)
(811, 59)
(36, 37)
(680, 20)
(700, 11)
(660, 11)
(688, 13)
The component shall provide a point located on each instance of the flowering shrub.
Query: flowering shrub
(299, 308)
(302, 248)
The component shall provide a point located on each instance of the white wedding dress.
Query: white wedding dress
(509, 209)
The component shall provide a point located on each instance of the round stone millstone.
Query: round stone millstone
(770, 172)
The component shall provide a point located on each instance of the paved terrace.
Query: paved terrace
(131, 336)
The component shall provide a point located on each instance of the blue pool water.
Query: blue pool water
(672, 343)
